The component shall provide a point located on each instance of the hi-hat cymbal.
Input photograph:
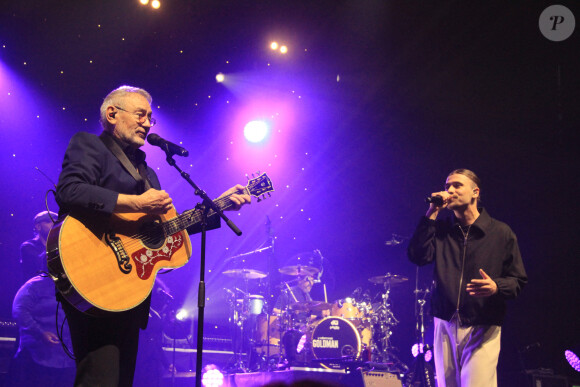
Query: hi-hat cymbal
(392, 279)
(312, 306)
(245, 273)
(299, 270)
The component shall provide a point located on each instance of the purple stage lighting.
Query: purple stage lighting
(418, 348)
(573, 359)
(255, 131)
(182, 315)
(212, 377)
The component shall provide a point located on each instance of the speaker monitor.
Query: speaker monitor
(380, 379)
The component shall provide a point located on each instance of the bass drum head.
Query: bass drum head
(334, 341)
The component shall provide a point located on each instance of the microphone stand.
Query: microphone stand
(271, 256)
(207, 204)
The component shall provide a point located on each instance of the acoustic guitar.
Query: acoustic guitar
(109, 265)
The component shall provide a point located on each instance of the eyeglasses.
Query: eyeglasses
(141, 117)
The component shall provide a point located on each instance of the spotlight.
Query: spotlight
(274, 46)
(144, 2)
(181, 315)
(156, 4)
(211, 376)
(255, 131)
(283, 49)
(572, 355)
(219, 77)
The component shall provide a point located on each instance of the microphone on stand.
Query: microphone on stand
(164, 293)
(318, 278)
(241, 291)
(395, 240)
(173, 149)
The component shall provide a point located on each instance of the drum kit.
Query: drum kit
(333, 335)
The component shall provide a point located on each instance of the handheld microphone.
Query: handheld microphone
(169, 147)
(437, 200)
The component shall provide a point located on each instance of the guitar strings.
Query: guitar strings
(174, 225)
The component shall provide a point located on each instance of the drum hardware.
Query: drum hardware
(244, 309)
(245, 274)
(299, 270)
(250, 253)
(383, 320)
(422, 372)
(334, 341)
(390, 279)
(309, 306)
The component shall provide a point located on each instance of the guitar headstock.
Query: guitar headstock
(259, 186)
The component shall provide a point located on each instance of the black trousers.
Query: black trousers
(105, 347)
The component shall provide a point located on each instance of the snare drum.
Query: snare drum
(335, 339)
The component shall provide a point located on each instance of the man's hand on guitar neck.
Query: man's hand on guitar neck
(237, 197)
(158, 202)
(150, 202)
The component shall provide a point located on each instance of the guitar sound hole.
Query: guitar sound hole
(152, 235)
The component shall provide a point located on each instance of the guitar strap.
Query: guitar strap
(141, 176)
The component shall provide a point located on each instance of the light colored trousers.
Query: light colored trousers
(466, 356)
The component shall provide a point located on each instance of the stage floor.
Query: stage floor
(326, 377)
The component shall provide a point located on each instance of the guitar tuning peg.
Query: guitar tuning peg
(269, 195)
(259, 200)
(247, 177)
(264, 197)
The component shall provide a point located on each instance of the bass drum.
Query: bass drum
(334, 341)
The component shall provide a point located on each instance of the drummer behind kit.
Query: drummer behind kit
(336, 335)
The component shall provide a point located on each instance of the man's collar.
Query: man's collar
(482, 222)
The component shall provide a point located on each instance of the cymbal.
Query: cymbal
(392, 279)
(312, 306)
(245, 273)
(298, 270)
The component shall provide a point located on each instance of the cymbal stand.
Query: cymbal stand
(384, 320)
(422, 373)
(238, 318)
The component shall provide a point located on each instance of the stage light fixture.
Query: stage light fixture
(274, 46)
(155, 4)
(220, 77)
(419, 348)
(212, 376)
(144, 2)
(283, 49)
(573, 357)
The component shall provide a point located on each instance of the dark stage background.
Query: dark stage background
(374, 104)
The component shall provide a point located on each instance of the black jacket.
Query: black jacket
(491, 246)
(91, 180)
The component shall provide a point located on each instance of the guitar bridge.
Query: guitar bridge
(116, 245)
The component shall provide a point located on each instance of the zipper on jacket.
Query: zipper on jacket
(465, 236)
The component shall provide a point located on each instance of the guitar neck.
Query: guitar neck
(195, 215)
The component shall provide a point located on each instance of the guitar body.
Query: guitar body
(111, 265)
(108, 264)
